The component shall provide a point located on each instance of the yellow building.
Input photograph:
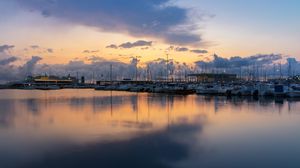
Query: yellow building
(54, 80)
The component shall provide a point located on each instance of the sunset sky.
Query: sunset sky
(64, 30)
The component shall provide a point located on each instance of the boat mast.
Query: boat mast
(167, 66)
(136, 69)
(110, 73)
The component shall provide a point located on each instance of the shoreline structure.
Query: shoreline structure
(203, 84)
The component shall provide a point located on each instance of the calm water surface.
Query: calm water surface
(87, 128)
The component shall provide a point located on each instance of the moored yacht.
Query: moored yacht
(207, 90)
(220, 90)
(265, 90)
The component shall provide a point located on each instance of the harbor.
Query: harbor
(202, 84)
(149, 84)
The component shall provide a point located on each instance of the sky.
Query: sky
(188, 31)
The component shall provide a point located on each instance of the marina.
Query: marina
(205, 84)
(149, 84)
(235, 89)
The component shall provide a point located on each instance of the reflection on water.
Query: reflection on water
(87, 128)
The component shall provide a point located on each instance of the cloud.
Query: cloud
(140, 43)
(6, 47)
(293, 66)
(181, 49)
(238, 62)
(95, 59)
(29, 66)
(254, 66)
(90, 51)
(127, 45)
(50, 50)
(8, 61)
(34, 47)
(158, 68)
(184, 49)
(100, 67)
(138, 18)
(40, 49)
(113, 46)
(199, 51)
(154, 70)
(10, 72)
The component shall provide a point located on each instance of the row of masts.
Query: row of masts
(254, 73)
(250, 73)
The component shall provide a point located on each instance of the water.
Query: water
(87, 128)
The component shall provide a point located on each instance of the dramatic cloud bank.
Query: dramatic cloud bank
(99, 68)
(255, 66)
(139, 18)
(239, 62)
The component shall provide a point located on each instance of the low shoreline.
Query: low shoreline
(254, 89)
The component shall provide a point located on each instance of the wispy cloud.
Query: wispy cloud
(140, 43)
(90, 51)
(181, 49)
(128, 45)
(34, 47)
(113, 46)
(185, 49)
(50, 50)
(199, 51)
